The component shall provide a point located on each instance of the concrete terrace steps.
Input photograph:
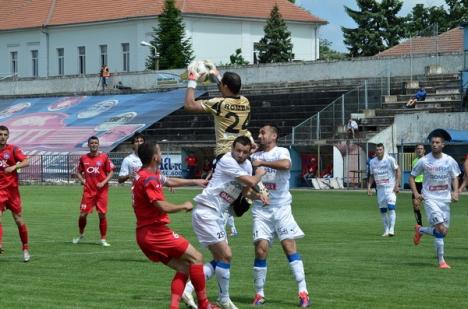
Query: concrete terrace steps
(395, 111)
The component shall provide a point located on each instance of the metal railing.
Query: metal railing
(330, 122)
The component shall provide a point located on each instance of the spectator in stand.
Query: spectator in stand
(352, 127)
(418, 97)
(310, 170)
(191, 162)
(104, 74)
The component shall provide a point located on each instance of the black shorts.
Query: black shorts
(418, 188)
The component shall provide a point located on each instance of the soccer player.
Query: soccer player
(157, 241)
(12, 158)
(385, 172)
(231, 177)
(276, 219)
(94, 171)
(420, 152)
(231, 112)
(131, 163)
(440, 187)
(465, 175)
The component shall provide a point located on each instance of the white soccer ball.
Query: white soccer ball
(199, 68)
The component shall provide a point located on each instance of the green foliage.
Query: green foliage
(347, 263)
(327, 53)
(378, 27)
(276, 45)
(421, 19)
(237, 58)
(175, 51)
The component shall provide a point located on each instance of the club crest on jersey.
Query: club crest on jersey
(6, 156)
(99, 163)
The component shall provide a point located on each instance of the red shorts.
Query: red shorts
(160, 244)
(10, 199)
(88, 201)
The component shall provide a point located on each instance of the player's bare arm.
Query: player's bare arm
(18, 165)
(465, 177)
(190, 104)
(370, 182)
(105, 181)
(283, 164)
(412, 184)
(179, 182)
(396, 189)
(169, 207)
(251, 181)
(455, 189)
(80, 178)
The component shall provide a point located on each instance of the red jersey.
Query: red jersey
(95, 170)
(9, 156)
(147, 188)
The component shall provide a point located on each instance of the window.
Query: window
(61, 61)
(35, 63)
(466, 60)
(103, 49)
(81, 60)
(126, 57)
(14, 62)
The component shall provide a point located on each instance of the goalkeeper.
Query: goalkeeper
(231, 112)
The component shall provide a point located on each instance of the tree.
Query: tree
(457, 12)
(327, 53)
(175, 51)
(276, 45)
(378, 27)
(237, 58)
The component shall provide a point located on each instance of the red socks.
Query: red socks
(82, 224)
(103, 227)
(23, 232)
(177, 289)
(197, 276)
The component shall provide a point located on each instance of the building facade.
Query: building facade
(78, 44)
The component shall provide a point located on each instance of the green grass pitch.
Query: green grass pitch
(348, 264)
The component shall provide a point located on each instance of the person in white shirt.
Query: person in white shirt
(440, 187)
(275, 220)
(231, 177)
(385, 172)
(131, 163)
(352, 127)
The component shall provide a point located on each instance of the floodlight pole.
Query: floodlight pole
(156, 58)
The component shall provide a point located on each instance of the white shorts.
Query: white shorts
(270, 222)
(385, 197)
(208, 225)
(437, 212)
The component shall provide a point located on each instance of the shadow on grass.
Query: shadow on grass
(242, 300)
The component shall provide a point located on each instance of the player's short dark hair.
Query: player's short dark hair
(273, 128)
(146, 152)
(380, 145)
(232, 81)
(4, 128)
(243, 140)
(417, 145)
(137, 136)
(438, 134)
(94, 137)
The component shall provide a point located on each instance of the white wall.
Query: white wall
(212, 38)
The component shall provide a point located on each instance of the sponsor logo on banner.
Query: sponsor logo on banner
(171, 165)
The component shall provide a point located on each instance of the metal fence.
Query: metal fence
(58, 169)
(330, 122)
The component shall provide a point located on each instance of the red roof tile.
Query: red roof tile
(19, 14)
(447, 42)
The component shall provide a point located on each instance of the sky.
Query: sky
(333, 11)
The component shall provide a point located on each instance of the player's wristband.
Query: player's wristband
(192, 84)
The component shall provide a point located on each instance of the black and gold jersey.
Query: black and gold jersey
(231, 118)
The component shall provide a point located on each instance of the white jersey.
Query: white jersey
(130, 165)
(383, 171)
(223, 188)
(276, 181)
(438, 175)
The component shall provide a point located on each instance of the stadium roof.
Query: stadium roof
(22, 14)
(447, 42)
(63, 124)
